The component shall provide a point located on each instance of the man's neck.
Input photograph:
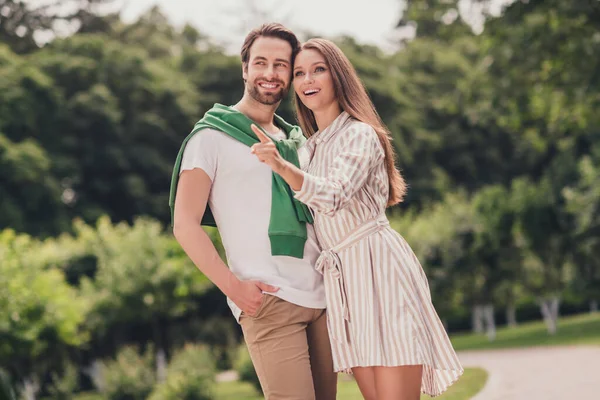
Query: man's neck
(260, 113)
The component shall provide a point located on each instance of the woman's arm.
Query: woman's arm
(347, 173)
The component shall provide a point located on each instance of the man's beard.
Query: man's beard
(267, 99)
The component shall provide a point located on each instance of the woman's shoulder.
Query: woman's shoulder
(359, 129)
(364, 135)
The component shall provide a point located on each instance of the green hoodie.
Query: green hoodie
(287, 226)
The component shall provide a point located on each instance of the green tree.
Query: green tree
(143, 282)
(31, 198)
(42, 316)
(583, 202)
(436, 19)
(439, 235)
(21, 20)
(543, 233)
(496, 250)
(122, 125)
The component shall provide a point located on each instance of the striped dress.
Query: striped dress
(379, 310)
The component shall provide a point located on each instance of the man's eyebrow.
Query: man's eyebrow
(316, 62)
(265, 59)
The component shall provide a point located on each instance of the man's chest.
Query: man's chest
(238, 169)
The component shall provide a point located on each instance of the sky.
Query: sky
(227, 21)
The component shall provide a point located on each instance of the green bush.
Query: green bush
(190, 376)
(220, 333)
(245, 368)
(63, 387)
(6, 389)
(130, 376)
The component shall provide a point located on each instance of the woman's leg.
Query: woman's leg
(365, 377)
(398, 383)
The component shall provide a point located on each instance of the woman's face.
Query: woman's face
(312, 80)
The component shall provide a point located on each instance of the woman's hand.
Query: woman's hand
(268, 154)
(266, 151)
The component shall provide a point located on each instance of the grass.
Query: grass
(468, 385)
(576, 330)
(583, 329)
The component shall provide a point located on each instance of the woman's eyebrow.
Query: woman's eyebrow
(316, 62)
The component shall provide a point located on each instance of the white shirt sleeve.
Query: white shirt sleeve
(201, 152)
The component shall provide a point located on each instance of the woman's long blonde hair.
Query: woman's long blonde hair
(353, 98)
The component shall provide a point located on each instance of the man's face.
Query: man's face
(269, 69)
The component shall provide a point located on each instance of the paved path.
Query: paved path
(542, 373)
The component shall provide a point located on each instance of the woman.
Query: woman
(382, 323)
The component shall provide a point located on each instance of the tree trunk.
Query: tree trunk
(488, 311)
(511, 316)
(593, 306)
(477, 319)
(30, 388)
(161, 356)
(94, 371)
(549, 308)
(161, 365)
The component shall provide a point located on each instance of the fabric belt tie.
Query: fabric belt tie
(329, 265)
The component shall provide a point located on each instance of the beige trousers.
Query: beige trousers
(290, 350)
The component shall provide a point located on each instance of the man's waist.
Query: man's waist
(308, 299)
(309, 284)
(283, 267)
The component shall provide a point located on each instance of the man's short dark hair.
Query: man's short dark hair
(273, 30)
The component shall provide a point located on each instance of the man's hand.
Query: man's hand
(248, 295)
(266, 151)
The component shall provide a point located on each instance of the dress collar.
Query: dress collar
(333, 128)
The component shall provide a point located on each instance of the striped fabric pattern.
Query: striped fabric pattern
(379, 305)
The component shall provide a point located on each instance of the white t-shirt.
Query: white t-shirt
(240, 200)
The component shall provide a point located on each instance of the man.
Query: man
(271, 285)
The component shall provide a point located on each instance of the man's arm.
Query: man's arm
(190, 203)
